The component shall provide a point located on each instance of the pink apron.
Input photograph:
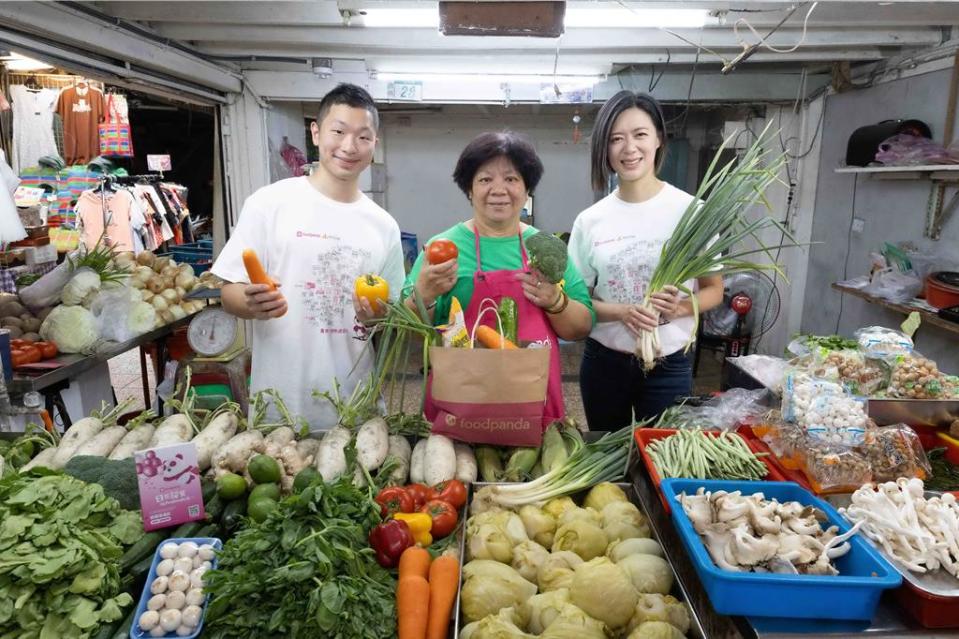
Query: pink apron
(533, 326)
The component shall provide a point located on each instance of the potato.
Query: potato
(32, 325)
(12, 321)
(15, 332)
(12, 308)
(42, 315)
(33, 337)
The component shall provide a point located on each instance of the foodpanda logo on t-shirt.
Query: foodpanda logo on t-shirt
(82, 106)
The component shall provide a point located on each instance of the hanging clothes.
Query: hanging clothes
(152, 204)
(120, 210)
(32, 125)
(82, 108)
(11, 228)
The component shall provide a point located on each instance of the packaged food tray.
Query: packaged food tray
(135, 631)
(646, 435)
(853, 594)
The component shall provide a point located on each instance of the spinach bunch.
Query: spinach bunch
(306, 571)
(60, 544)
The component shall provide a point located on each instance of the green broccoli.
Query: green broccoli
(547, 254)
(118, 477)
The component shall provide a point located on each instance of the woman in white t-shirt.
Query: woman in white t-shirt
(616, 244)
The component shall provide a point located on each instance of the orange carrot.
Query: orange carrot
(255, 270)
(412, 607)
(415, 561)
(444, 581)
(489, 338)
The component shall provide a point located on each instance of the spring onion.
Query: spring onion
(594, 463)
(711, 234)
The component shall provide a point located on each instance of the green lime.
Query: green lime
(264, 469)
(304, 478)
(230, 486)
(265, 491)
(258, 509)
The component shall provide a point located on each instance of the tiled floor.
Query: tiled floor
(125, 375)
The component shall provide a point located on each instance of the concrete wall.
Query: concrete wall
(892, 211)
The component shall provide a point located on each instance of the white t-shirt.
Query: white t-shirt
(316, 247)
(616, 245)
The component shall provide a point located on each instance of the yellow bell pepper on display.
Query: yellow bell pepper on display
(420, 525)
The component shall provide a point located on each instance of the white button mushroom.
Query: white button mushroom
(192, 615)
(207, 565)
(170, 619)
(169, 550)
(195, 597)
(184, 631)
(188, 549)
(165, 567)
(184, 564)
(159, 585)
(196, 578)
(156, 602)
(176, 599)
(179, 580)
(149, 620)
(158, 632)
(207, 552)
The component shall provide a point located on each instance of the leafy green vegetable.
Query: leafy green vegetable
(547, 254)
(305, 571)
(118, 477)
(945, 476)
(60, 544)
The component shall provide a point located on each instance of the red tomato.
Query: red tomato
(452, 492)
(421, 494)
(31, 354)
(47, 349)
(19, 343)
(394, 500)
(17, 358)
(440, 251)
(443, 515)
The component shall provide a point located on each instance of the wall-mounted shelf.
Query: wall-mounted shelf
(938, 210)
(927, 317)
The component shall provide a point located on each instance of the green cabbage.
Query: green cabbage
(622, 520)
(648, 573)
(602, 494)
(621, 549)
(656, 630)
(540, 525)
(490, 586)
(557, 571)
(656, 607)
(586, 514)
(527, 558)
(581, 537)
(557, 506)
(499, 626)
(542, 609)
(574, 623)
(82, 288)
(604, 591)
(72, 328)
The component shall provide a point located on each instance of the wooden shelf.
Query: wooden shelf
(927, 317)
(934, 172)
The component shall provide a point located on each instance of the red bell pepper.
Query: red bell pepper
(389, 540)
(394, 499)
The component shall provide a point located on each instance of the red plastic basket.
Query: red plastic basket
(929, 611)
(646, 435)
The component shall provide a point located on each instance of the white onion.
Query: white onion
(159, 303)
(171, 297)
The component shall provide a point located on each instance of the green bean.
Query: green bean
(698, 454)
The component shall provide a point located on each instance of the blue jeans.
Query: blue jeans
(616, 392)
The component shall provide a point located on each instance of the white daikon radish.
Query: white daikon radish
(44, 458)
(175, 429)
(214, 436)
(439, 463)
(103, 443)
(281, 436)
(308, 447)
(372, 443)
(331, 458)
(466, 470)
(416, 462)
(76, 436)
(136, 439)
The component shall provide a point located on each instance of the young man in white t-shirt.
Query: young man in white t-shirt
(314, 236)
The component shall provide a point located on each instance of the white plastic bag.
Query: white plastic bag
(894, 286)
(121, 314)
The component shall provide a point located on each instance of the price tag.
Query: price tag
(169, 481)
(405, 90)
(159, 163)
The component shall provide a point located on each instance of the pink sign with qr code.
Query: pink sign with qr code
(169, 478)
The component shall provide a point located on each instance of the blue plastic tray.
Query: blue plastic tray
(135, 632)
(853, 594)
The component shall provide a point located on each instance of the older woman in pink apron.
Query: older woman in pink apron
(497, 172)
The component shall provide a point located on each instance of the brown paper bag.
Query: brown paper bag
(489, 396)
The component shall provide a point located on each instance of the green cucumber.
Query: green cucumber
(188, 529)
(214, 508)
(232, 516)
(208, 489)
(509, 318)
(210, 530)
(144, 547)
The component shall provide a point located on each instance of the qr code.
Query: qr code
(194, 510)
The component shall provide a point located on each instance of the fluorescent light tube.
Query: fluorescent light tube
(411, 17)
(624, 17)
(519, 78)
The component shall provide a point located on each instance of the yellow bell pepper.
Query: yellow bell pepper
(420, 525)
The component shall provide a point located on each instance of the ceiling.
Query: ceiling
(286, 35)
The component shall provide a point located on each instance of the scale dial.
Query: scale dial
(212, 332)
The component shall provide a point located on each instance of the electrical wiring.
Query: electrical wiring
(762, 40)
(699, 47)
(689, 95)
(845, 265)
(652, 75)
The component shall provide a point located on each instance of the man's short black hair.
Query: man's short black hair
(603, 127)
(352, 96)
(484, 147)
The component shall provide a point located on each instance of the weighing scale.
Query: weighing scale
(216, 336)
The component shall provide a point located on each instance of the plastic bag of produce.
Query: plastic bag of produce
(894, 452)
(786, 439)
(823, 409)
(858, 374)
(121, 314)
(727, 411)
(834, 468)
(883, 343)
(895, 286)
(916, 377)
